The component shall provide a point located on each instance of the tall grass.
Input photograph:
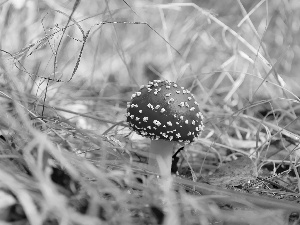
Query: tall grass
(69, 67)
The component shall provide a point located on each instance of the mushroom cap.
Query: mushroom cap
(163, 110)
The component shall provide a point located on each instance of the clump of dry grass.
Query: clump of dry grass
(67, 71)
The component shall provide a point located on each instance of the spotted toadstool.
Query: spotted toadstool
(166, 113)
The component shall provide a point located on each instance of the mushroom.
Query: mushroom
(167, 114)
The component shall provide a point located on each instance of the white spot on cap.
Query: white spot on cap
(168, 95)
(157, 106)
(192, 109)
(175, 85)
(193, 122)
(170, 101)
(186, 122)
(181, 104)
(168, 87)
(138, 93)
(189, 133)
(169, 123)
(189, 98)
(201, 116)
(132, 116)
(178, 135)
(184, 91)
(201, 126)
(140, 111)
(157, 123)
(162, 110)
(181, 117)
(137, 118)
(186, 104)
(196, 103)
(171, 131)
(178, 92)
(145, 119)
(142, 86)
(171, 138)
(150, 106)
(133, 96)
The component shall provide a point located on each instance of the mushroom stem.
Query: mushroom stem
(160, 157)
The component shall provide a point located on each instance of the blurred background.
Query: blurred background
(92, 63)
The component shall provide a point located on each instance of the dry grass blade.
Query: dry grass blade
(224, 195)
